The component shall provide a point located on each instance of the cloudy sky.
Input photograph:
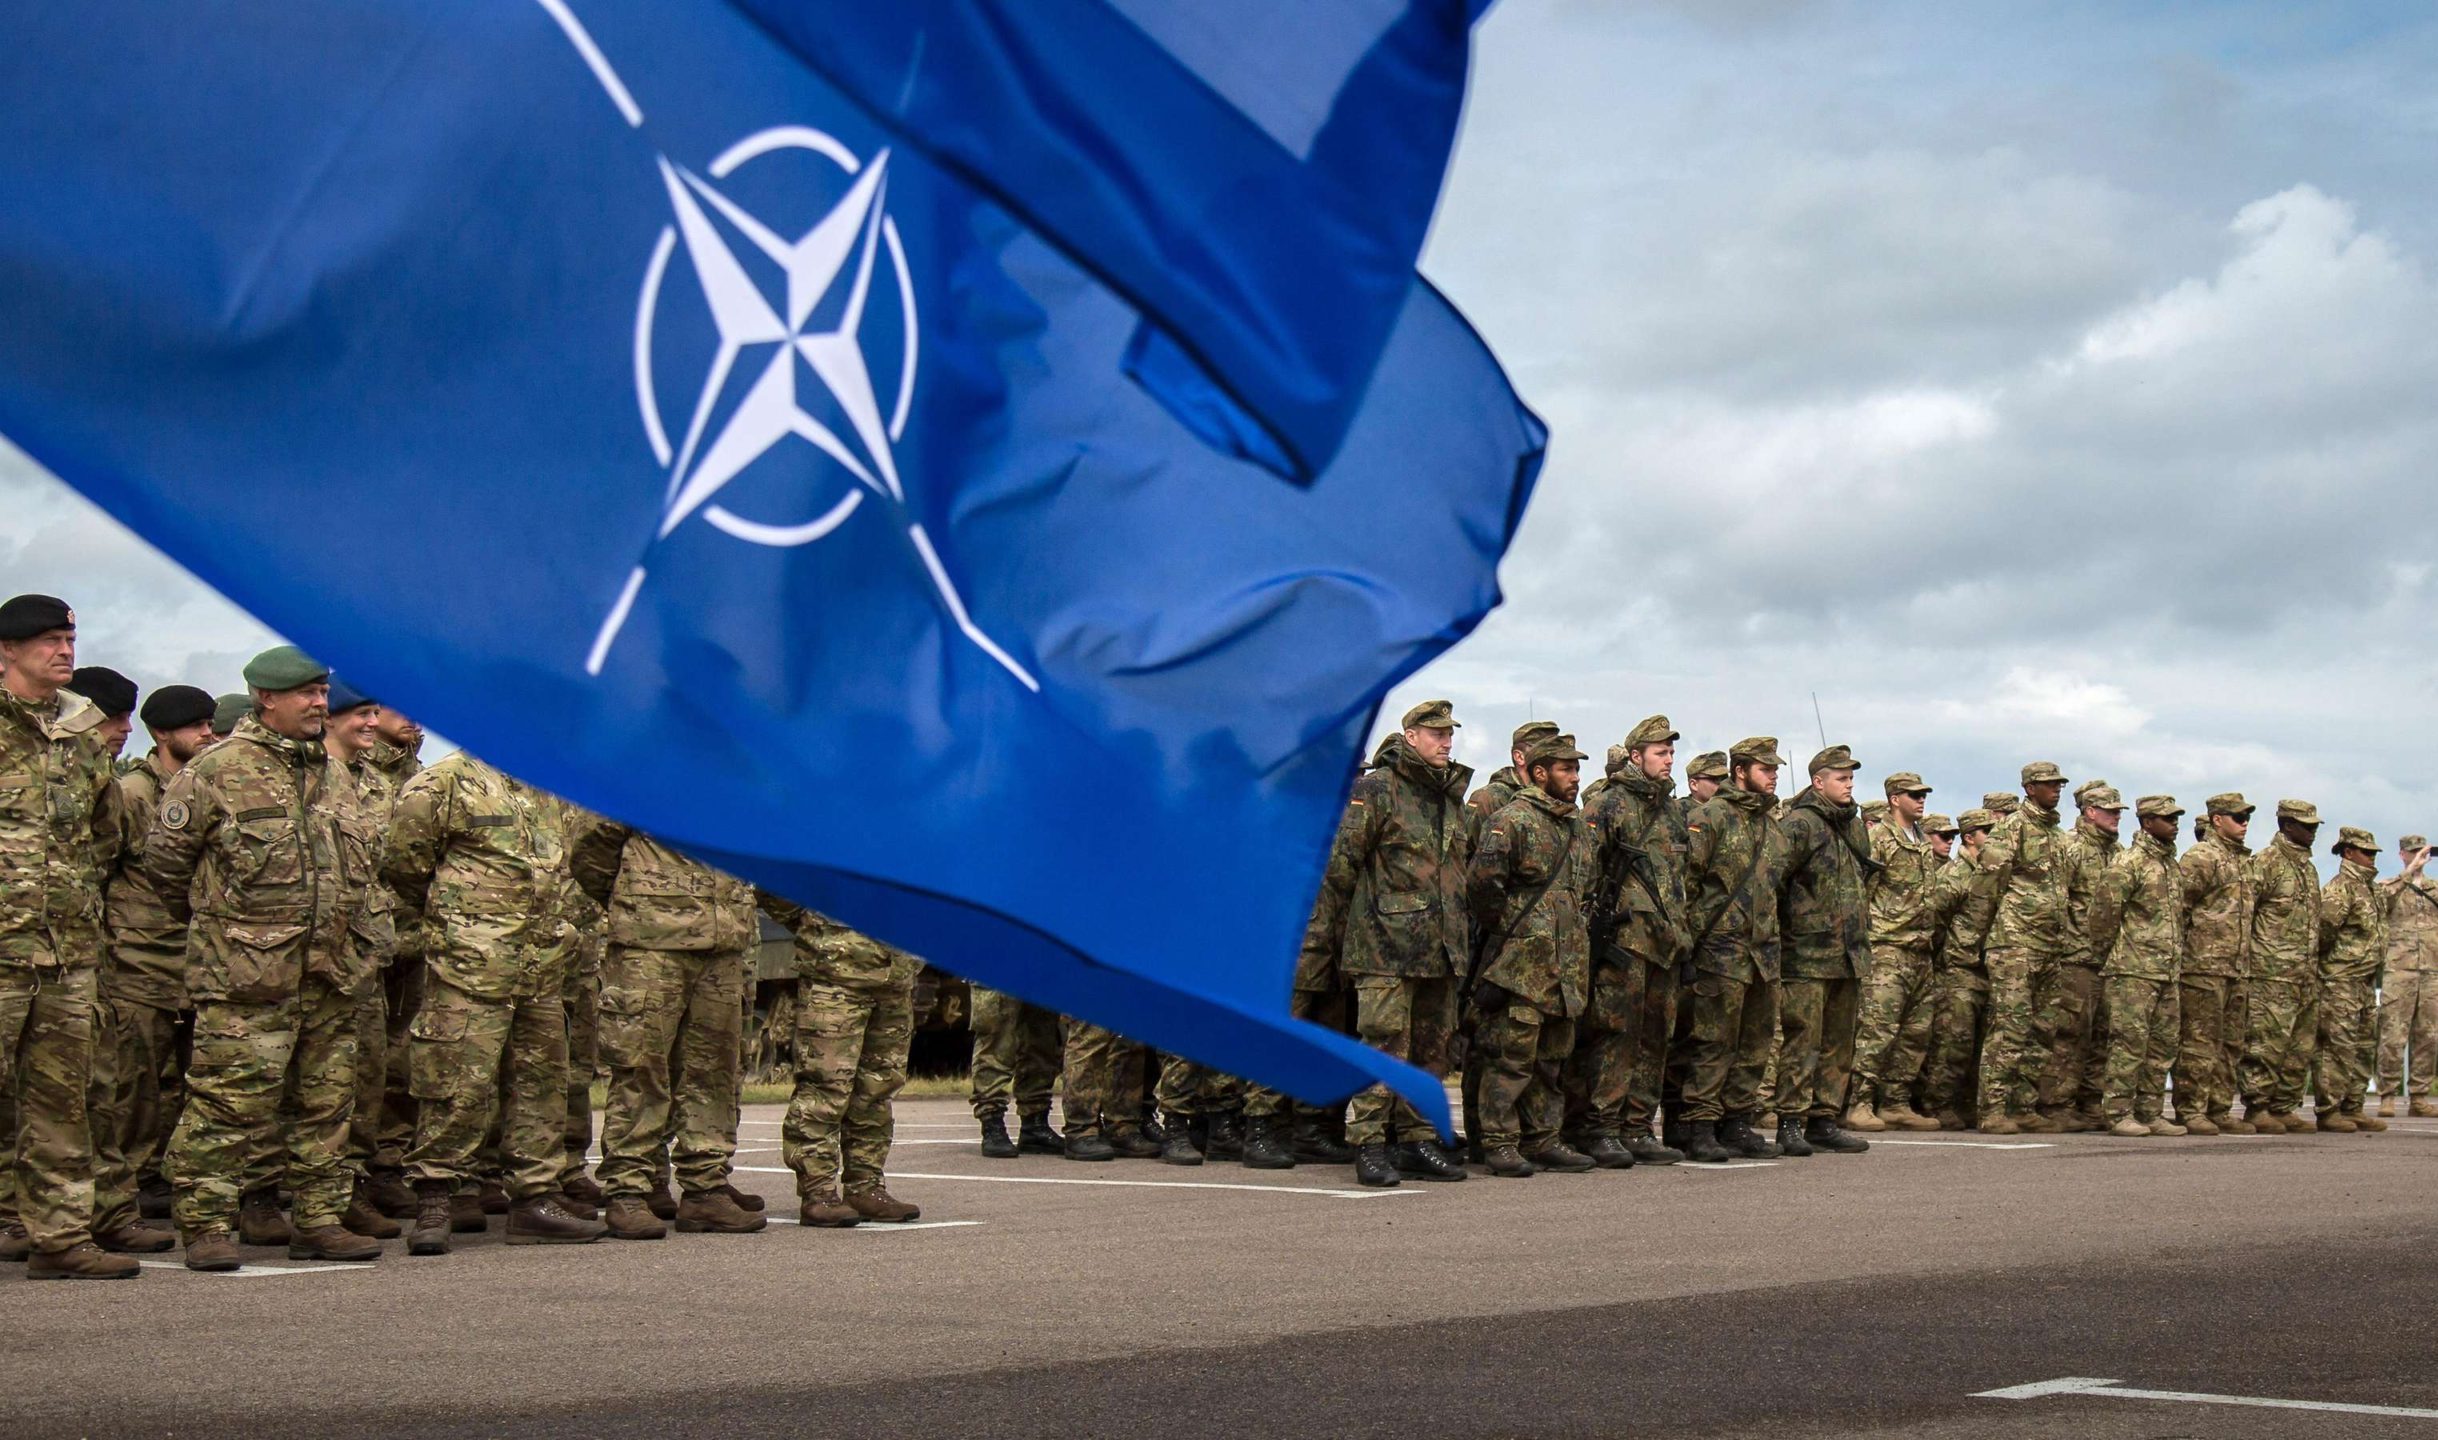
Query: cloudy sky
(2029, 383)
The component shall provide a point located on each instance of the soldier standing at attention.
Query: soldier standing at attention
(264, 846)
(1641, 837)
(854, 1025)
(1503, 784)
(2026, 859)
(1735, 864)
(1894, 1023)
(114, 695)
(1015, 1057)
(2283, 985)
(1528, 886)
(1825, 916)
(2137, 935)
(58, 818)
(2072, 1006)
(349, 737)
(2216, 877)
(1968, 906)
(2352, 946)
(1703, 778)
(2408, 1005)
(397, 755)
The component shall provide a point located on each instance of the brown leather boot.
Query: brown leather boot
(135, 1238)
(390, 1194)
(544, 1221)
(2199, 1125)
(879, 1205)
(629, 1218)
(713, 1213)
(2265, 1123)
(83, 1260)
(435, 1217)
(212, 1251)
(2335, 1122)
(2368, 1124)
(15, 1244)
(2228, 1125)
(745, 1199)
(581, 1186)
(494, 1197)
(2423, 1108)
(466, 1215)
(663, 1203)
(333, 1242)
(825, 1209)
(364, 1218)
(259, 1221)
(2387, 1106)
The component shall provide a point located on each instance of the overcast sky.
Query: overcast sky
(2045, 382)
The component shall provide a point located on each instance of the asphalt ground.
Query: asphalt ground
(1873, 1295)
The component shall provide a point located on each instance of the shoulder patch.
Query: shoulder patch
(174, 815)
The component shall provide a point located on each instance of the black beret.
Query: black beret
(105, 687)
(174, 707)
(22, 617)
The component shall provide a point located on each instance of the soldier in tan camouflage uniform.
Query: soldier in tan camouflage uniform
(2216, 877)
(2282, 990)
(58, 812)
(580, 997)
(1017, 1052)
(2027, 860)
(349, 737)
(2408, 1002)
(1735, 865)
(2071, 1006)
(263, 845)
(2136, 929)
(854, 1025)
(1893, 1028)
(1968, 905)
(1640, 833)
(396, 755)
(2352, 947)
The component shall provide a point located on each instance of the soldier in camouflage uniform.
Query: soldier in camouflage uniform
(2216, 878)
(2072, 1004)
(263, 845)
(854, 1025)
(1199, 1108)
(2408, 1002)
(1640, 835)
(2027, 859)
(114, 695)
(1967, 902)
(1825, 917)
(1735, 866)
(2352, 946)
(396, 756)
(2283, 986)
(58, 814)
(581, 999)
(1527, 889)
(1016, 1056)
(1504, 782)
(1103, 1094)
(2136, 929)
(349, 737)
(681, 938)
(2000, 804)
(1893, 1028)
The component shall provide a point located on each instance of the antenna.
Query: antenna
(1817, 722)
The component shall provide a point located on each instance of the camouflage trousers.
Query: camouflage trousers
(1408, 1019)
(47, 1024)
(851, 1046)
(256, 1071)
(1951, 1076)
(1185, 1088)
(1104, 1078)
(2283, 1032)
(2408, 1032)
(1330, 1009)
(2013, 1051)
(1017, 1055)
(2073, 1008)
(672, 1033)
(477, 1060)
(364, 1151)
(1600, 1071)
(2348, 1027)
(138, 1088)
(2205, 1084)
(2141, 1044)
(1892, 1028)
(581, 999)
(401, 985)
(1734, 1025)
(1523, 1059)
(1816, 1055)
(1651, 999)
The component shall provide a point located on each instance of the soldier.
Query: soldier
(58, 814)
(681, 936)
(1874, 814)
(1502, 786)
(1702, 780)
(1640, 834)
(1967, 904)
(1825, 917)
(2000, 804)
(264, 847)
(2352, 947)
(483, 857)
(2136, 931)
(2216, 876)
(2027, 862)
(854, 1025)
(581, 998)
(1893, 1029)
(2282, 988)
(1528, 888)
(1015, 1056)
(2408, 1005)
(1199, 1107)
(397, 754)
(228, 709)
(114, 695)
(2072, 1070)
(348, 737)
(1735, 864)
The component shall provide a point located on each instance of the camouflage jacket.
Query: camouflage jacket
(1966, 904)
(377, 922)
(2088, 857)
(2028, 855)
(1502, 786)
(1540, 955)
(147, 948)
(1731, 836)
(1825, 906)
(262, 844)
(483, 857)
(398, 766)
(2353, 925)
(1392, 900)
(58, 817)
(1904, 892)
(2136, 919)
(658, 899)
(2285, 914)
(828, 953)
(2216, 876)
(2412, 923)
(1634, 809)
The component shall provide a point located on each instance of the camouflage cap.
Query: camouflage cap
(1976, 819)
(1937, 824)
(1616, 756)
(1904, 782)
(2043, 772)
(2099, 797)
(2355, 837)
(1530, 731)
(2000, 802)
(22, 617)
(2301, 812)
(1431, 715)
(1708, 765)
(2229, 802)
(2157, 807)
(2086, 788)
(1551, 750)
(1654, 730)
(2412, 842)
(228, 710)
(284, 667)
(1835, 757)
(1756, 750)
(1873, 809)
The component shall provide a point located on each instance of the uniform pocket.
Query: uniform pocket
(432, 1060)
(274, 854)
(265, 961)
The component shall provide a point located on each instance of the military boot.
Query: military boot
(581, 1186)
(332, 1242)
(663, 1202)
(2035, 1123)
(1227, 1137)
(466, 1215)
(630, 1219)
(2001, 1124)
(1562, 1158)
(2129, 1127)
(877, 1204)
(1508, 1163)
(435, 1217)
(745, 1199)
(1088, 1144)
(544, 1221)
(1736, 1133)
(1675, 1134)
(1791, 1143)
(1134, 1142)
(1262, 1147)
(823, 1209)
(2198, 1125)
(212, 1251)
(2423, 1108)
(1901, 1116)
(2089, 1122)
(2366, 1123)
(1864, 1118)
(1822, 1133)
(1648, 1149)
(259, 1221)
(1701, 1144)
(390, 1194)
(2264, 1122)
(995, 1142)
(494, 1198)
(1035, 1137)
(711, 1212)
(2227, 1124)
(1179, 1150)
(1952, 1119)
(577, 1206)
(1373, 1167)
(2335, 1122)
(2161, 1125)
(152, 1201)
(1318, 1146)
(1424, 1160)
(2387, 1107)
(1153, 1130)
(83, 1260)
(1609, 1153)
(364, 1219)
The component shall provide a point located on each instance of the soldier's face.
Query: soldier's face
(1909, 806)
(2233, 827)
(1759, 779)
(2361, 856)
(1943, 844)
(2161, 828)
(359, 727)
(1973, 840)
(2111, 821)
(1656, 762)
(299, 714)
(1837, 785)
(2044, 793)
(1431, 742)
(115, 730)
(397, 729)
(1559, 779)
(185, 742)
(41, 662)
(1702, 787)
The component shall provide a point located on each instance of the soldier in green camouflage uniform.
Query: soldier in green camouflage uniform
(483, 857)
(262, 844)
(1479, 807)
(1016, 1056)
(2283, 986)
(1825, 917)
(2408, 1001)
(1893, 1028)
(348, 738)
(58, 814)
(2353, 946)
(1735, 865)
(681, 937)
(1640, 856)
(1103, 1096)
(854, 1025)
(2027, 858)
(1528, 887)
(2216, 879)
(2136, 929)
(1967, 902)
(2072, 1004)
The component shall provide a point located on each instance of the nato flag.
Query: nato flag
(702, 441)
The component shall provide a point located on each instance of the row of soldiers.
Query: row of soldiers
(279, 958)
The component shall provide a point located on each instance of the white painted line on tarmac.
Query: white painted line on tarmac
(2089, 1385)
(1975, 1144)
(252, 1271)
(1724, 1165)
(875, 1228)
(1135, 1184)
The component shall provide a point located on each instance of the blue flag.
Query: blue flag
(629, 403)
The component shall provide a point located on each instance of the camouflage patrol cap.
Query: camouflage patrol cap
(1976, 819)
(2301, 812)
(1552, 750)
(228, 710)
(1431, 715)
(1874, 809)
(2230, 802)
(1616, 756)
(1835, 757)
(2157, 807)
(2412, 842)
(2000, 802)
(2043, 772)
(1708, 765)
(1529, 732)
(284, 667)
(1937, 824)
(2086, 787)
(1756, 750)
(1904, 782)
(2354, 837)
(2100, 797)
(1653, 730)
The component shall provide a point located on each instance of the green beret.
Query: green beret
(228, 710)
(284, 667)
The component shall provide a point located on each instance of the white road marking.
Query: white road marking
(1724, 1165)
(875, 1228)
(253, 1271)
(2089, 1385)
(1976, 1144)
(1134, 1184)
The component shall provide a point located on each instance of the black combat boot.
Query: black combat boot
(1508, 1163)
(1035, 1137)
(1262, 1150)
(1424, 1160)
(1610, 1153)
(1790, 1140)
(1087, 1144)
(995, 1143)
(432, 1219)
(1178, 1148)
(1648, 1149)
(1701, 1144)
(1674, 1133)
(1736, 1133)
(1153, 1131)
(1316, 1145)
(1227, 1137)
(1373, 1167)
(1824, 1134)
